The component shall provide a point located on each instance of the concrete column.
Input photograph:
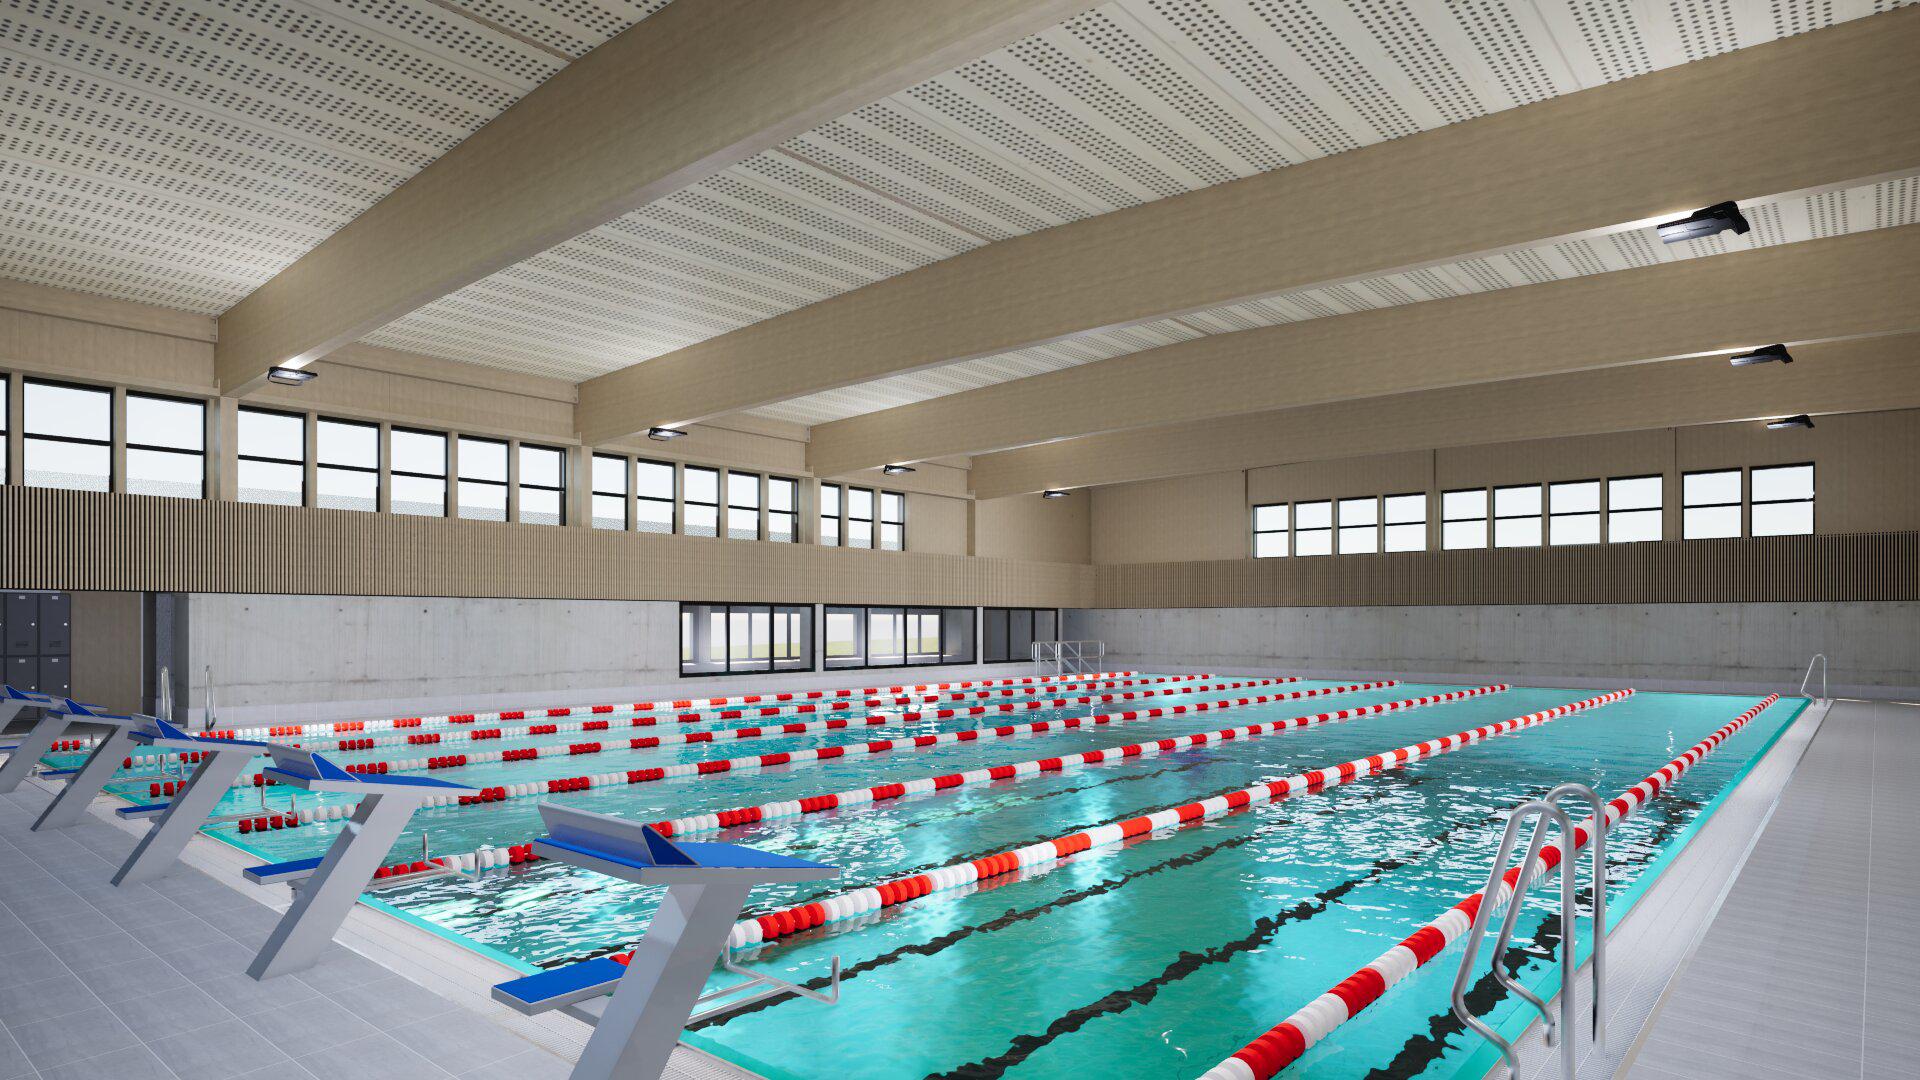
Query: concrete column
(223, 449)
(118, 455)
(453, 474)
(310, 478)
(383, 495)
(576, 492)
(11, 390)
(513, 479)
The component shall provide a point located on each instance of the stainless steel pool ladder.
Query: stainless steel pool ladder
(1559, 1031)
(1821, 659)
(1070, 657)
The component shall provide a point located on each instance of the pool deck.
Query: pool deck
(148, 982)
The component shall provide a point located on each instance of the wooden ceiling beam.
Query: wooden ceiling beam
(697, 87)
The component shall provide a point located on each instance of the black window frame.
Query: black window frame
(594, 494)
(521, 485)
(28, 436)
(320, 467)
(1738, 503)
(1658, 509)
(1283, 532)
(726, 495)
(1341, 529)
(882, 522)
(849, 518)
(445, 476)
(1317, 531)
(504, 484)
(671, 500)
(153, 448)
(837, 518)
(1009, 614)
(791, 516)
(1598, 513)
(1388, 524)
(719, 500)
(1813, 523)
(1495, 517)
(803, 612)
(263, 459)
(1484, 517)
(910, 616)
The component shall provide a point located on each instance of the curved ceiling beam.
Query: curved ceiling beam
(695, 88)
(1804, 112)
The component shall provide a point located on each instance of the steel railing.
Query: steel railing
(1070, 657)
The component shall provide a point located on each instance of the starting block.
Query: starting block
(189, 808)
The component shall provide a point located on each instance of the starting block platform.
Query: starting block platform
(34, 744)
(180, 817)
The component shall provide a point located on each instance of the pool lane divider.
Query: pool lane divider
(648, 742)
(485, 857)
(1285, 1042)
(778, 924)
(345, 726)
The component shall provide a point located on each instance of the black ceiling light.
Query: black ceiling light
(1717, 218)
(291, 376)
(1054, 493)
(1765, 354)
(897, 470)
(1785, 422)
(664, 434)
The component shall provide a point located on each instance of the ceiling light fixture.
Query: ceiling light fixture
(1765, 354)
(1054, 493)
(291, 376)
(1705, 222)
(664, 434)
(897, 470)
(1782, 424)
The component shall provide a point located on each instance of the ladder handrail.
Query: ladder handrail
(1820, 658)
(1543, 811)
(1085, 654)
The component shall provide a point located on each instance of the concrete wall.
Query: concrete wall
(305, 658)
(1875, 647)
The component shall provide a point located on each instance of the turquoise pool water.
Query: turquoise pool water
(1152, 959)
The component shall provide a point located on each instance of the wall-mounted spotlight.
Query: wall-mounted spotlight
(1717, 218)
(1801, 421)
(897, 470)
(1054, 493)
(664, 434)
(291, 376)
(1765, 354)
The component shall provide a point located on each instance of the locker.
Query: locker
(23, 672)
(54, 676)
(56, 624)
(23, 621)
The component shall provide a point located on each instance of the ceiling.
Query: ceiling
(182, 153)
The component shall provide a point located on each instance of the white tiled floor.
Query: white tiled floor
(1810, 967)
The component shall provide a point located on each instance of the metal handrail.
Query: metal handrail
(1543, 811)
(1821, 659)
(1085, 655)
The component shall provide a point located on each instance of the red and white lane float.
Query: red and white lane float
(792, 920)
(340, 727)
(890, 791)
(1285, 1042)
(534, 753)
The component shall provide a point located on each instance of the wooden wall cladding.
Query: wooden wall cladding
(80, 540)
(1857, 566)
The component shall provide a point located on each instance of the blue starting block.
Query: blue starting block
(34, 744)
(336, 881)
(181, 817)
(654, 994)
(91, 777)
(280, 873)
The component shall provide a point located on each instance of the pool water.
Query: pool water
(1155, 958)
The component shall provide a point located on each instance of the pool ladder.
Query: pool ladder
(1070, 657)
(1560, 1031)
(1821, 659)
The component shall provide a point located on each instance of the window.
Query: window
(609, 492)
(1573, 512)
(69, 437)
(653, 507)
(542, 485)
(1008, 634)
(703, 501)
(1710, 504)
(1270, 531)
(1516, 516)
(1783, 500)
(1633, 509)
(743, 506)
(783, 510)
(1463, 519)
(859, 517)
(893, 521)
(898, 636)
(730, 639)
(272, 457)
(166, 446)
(1313, 528)
(348, 455)
(418, 472)
(830, 514)
(483, 479)
(1359, 526)
(1406, 522)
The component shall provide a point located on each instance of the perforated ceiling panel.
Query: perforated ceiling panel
(181, 152)
(1780, 221)
(1129, 102)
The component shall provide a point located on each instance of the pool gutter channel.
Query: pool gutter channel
(448, 967)
(1664, 924)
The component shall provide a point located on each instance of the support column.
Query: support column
(71, 803)
(161, 847)
(323, 902)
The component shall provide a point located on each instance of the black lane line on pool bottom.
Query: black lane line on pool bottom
(1264, 929)
(1421, 1051)
(1014, 916)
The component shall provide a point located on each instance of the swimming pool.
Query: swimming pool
(1155, 957)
